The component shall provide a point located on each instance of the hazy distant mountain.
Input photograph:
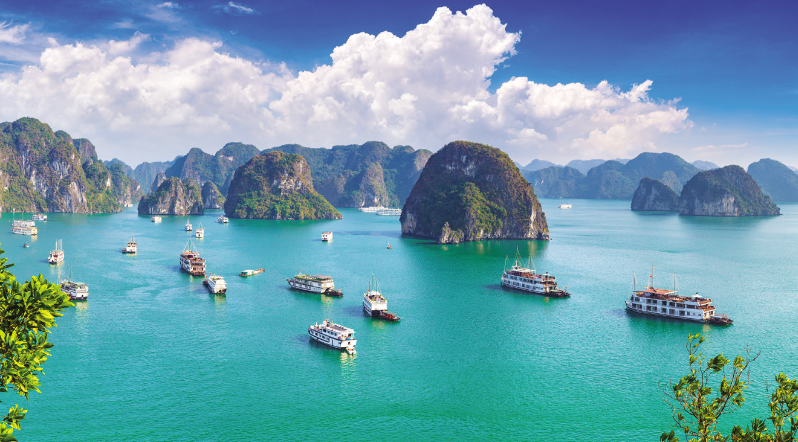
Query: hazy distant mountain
(622, 160)
(585, 165)
(128, 170)
(776, 180)
(705, 165)
(146, 172)
(794, 169)
(539, 164)
(218, 168)
(612, 179)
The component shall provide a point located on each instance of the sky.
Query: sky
(147, 81)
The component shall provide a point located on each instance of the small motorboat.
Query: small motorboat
(25, 245)
(389, 246)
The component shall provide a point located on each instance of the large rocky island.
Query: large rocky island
(173, 197)
(776, 180)
(46, 171)
(654, 195)
(468, 192)
(276, 185)
(728, 191)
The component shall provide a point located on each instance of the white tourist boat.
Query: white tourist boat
(24, 228)
(527, 279)
(200, 233)
(222, 219)
(334, 335)
(156, 219)
(189, 227)
(315, 284)
(131, 246)
(564, 206)
(667, 303)
(56, 255)
(215, 284)
(326, 236)
(40, 217)
(370, 209)
(77, 291)
(374, 304)
(389, 212)
(190, 261)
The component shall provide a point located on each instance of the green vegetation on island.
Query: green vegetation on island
(470, 191)
(776, 180)
(173, 197)
(697, 406)
(27, 313)
(52, 172)
(276, 185)
(218, 168)
(371, 174)
(728, 191)
(653, 195)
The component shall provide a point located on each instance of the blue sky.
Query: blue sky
(723, 76)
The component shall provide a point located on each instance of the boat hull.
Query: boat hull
(213, 290)
(550, 294)
(337, 344)
(660, 315)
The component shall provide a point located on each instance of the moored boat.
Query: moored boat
(191, 262)
(200, 233)
(77, 291)
(326, 236)
(189, 227)
(315, 284)
(40, 217)
(669, 304)
(527, 279)
(370, 209)
(222, 219)
(375, 305)
(56, 255)
(389, 212)
(132, 246)
(24, 228)
(251, 272)
(564, 206)
(334, 335)
(156, 219)
(215, 284)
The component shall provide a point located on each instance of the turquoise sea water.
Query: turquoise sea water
(153, 356)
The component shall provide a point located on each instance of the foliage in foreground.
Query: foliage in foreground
(27, 312)
(697, 407)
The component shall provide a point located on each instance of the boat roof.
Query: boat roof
(325, 277)
(656, 291)
(337, 327)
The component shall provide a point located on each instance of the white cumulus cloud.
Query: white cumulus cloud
(236, 9)
(425, 88)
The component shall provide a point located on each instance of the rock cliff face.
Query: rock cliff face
(156, 183)
(728, 191)
(42, 170)
(211, 197)
(469, 192)
(173, 197)
(276, 185)
(654, 195)
(370, 174)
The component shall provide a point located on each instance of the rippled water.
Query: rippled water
(153, 356)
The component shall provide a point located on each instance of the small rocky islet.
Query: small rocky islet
(726, 191)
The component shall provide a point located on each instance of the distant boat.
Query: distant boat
(251, 272)
(326, 236)
(156, 219)
(215, 284)
(189, 227)
(564, 206)
(24, 228)
(190, 261)
(77, 291)
(389, 246)
(370, 209)
(40, 217)
(335, 335)
(200, 231)
(131, 246)
(389, 212)
(222, 219)
(25, 245)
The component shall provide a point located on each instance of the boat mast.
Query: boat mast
(634, 282)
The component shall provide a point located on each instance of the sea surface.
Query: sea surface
(152, 356)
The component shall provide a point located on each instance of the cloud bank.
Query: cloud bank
(425, 88)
